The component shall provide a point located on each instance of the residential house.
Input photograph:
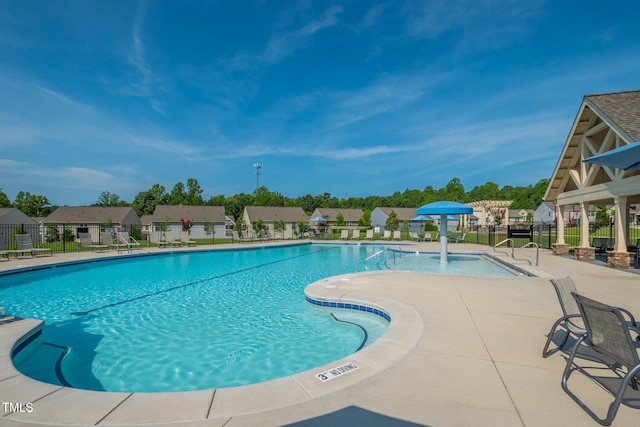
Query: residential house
(91, 219)
(271, 214)
(545, 213)
(351, 216)
(197, 219)
(519, 217)
(380, 215)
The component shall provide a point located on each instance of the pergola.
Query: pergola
(603, 123)
(493, 207)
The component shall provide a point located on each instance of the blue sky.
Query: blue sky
(354, 98)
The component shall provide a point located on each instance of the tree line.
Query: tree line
(190, 193)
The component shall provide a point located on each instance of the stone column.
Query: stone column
(619, 257)
(584, 252)
(560, 247)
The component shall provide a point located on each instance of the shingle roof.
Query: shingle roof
(621, 107)
(401, 213)
(89, 214)
(350, 215)
(276, 213)
(192, 213)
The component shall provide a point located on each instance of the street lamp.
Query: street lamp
(257, 166)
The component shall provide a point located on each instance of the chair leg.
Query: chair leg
(614, 406)
(545, 352)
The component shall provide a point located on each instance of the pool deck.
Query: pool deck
(460, 351)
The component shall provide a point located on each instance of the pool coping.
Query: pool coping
(115, 408)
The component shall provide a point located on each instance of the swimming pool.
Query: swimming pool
(189, 320)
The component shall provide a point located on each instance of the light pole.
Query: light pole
(257, 166)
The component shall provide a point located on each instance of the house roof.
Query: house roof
(606, 121)
(275, 213)
(401, 213)
(351, 215)
(90, 214)
(13, 215)
(193, 213)
(623, 108)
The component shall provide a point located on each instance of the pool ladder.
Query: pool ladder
(514, 250)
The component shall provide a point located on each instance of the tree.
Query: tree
(145, 202)
(280, 226)
(340, 220)
(108, 199)
(365, 219)
(177, 195)
(32, 204)
(4, 200)
(210, 229)
(193, 196)
(392, 222)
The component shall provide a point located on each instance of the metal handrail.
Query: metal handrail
(374, 255)
(504, 241)
(527, 245)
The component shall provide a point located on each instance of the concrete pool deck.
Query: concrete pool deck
(460, 350)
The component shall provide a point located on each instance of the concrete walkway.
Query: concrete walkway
(460, 351)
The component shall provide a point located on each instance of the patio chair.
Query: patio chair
(571, 319)
(458, 239)
(236, 237)
(184, 238)
(427, 237)
(25, 245)
(3, 249)
(344, 234)
(386, 235)
(369, 235)
(87, 243)
(106, 238)
(397, 235)
(355, 234)
(171, 239)
(608, 335)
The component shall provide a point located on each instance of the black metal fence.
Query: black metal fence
(546, 234)
(59, 238)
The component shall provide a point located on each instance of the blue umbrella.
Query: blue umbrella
(421, 218)
(444, 209)
(318, 219)
(626, 157)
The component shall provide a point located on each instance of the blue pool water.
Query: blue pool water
(189, 321)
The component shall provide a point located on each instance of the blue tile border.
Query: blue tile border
(349, 306)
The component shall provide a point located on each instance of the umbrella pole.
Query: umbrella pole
(444, 238)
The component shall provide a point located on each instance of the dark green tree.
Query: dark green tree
(4, 200)
(392, 222)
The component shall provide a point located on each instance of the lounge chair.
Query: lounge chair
(171, 240)
(163, 243)
(571, 320)
(25, 245)
(106, 238)
(397, 235)
(386, 235)
(236, 237)
(87, 243)
(458, 239)
(427, 236)
(3, 249)
(344, 234)
(184, 238)
(369, 235)
(125, 241)
(608, 335)
(355, 234)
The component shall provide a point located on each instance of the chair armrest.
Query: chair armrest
(631, 318)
